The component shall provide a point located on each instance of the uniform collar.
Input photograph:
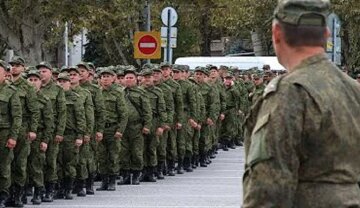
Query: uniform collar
(311, 60)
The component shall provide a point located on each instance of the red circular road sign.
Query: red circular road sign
(147, 45)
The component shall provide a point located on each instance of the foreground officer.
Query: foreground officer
(10, 124)
(302, 142)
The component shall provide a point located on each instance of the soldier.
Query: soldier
(116, 117)
(179, 106)
(73, 134)
(44, 135)
(169, 101)
(159, 117)
(10, 124)
(57, 96)
(308, 158)
(28, 130)
(258, 90)
(97, 134)
(139, 123)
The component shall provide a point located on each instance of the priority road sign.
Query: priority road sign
(147, 45)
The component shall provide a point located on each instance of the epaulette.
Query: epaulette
(272, 86)
(76, 94)
(12, 87)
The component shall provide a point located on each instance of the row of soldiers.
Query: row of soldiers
(60, 130)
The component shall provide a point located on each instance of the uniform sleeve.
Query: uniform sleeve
(16, 115)
(162, 109)
(179, 104)
(99, 111)
(272, 161)
(146, 111)
(48, 122)
(80, 117)
(61, 110)
(89, 112)
(122, 111)
(222, 99)
(211, 109)
(170, 108)
(31, 100)
(192, 102)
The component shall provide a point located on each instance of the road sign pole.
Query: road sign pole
(148, 20)
(168, 48)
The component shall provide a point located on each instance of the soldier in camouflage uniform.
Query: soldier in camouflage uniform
(10, 124)
(44, 135)
(139, 124)
(302, 136)
(169, 101)
(116, 118)
(97, 134)
(73, 135)
(57, 96)
(258, 90)
(159, 118)
(31, 115)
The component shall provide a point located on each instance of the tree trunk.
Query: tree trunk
(257, 41)
(206, 32)
(120, 51)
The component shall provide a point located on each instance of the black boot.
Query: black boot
(3, 198)
(36, 200)
(194, 163)
(76, 187)
(136, 177)
(143, 174)
(225, 145)
(49, 194)
(203, 161)
(112, 180)
(212, 153)
(187, 164)
(81, 188)
(90, 185)
(232, 144)
(171, 168)
(150, 175)
(208, 161)
(160, 168)
(19, 191)
(24, 197)
(126, 178)
(60, 192)
(28, 190)
(68, 182)
(104, 183)
(180, 167)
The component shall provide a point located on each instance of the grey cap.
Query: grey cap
(44, 64)
(303, 12)
(17, 60)
(107, 71)
(33, 73)
(64, 76)
(84, 64)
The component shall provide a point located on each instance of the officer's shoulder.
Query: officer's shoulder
(11, 87)
(273, 86)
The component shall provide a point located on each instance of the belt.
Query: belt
(108, 125)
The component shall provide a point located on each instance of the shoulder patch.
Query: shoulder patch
(272, 86)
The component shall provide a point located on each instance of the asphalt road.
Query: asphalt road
(218, 185)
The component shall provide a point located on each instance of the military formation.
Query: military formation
(63, 128)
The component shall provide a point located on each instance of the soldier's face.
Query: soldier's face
(157, 76)
(228, 81)
(74, 77)
(65, 84)
(16, 69)
(84, 73)
(176, 75)
(121, 80)
(148, 80)
(45, 74)
(214, 74)
(106, 79)
(166, 72)
(258, 81)
(199, 76)
(35, 81)
(130, 80)
(2, 75)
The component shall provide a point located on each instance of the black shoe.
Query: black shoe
(82, 191)
(28, 191)
(232, 144)
(125, 178)
(136, 177)
(112, 180)
(49, 193)
(104, 183)
(187, 164)
(171, 168)
(36, 200)
(160, 169)
(203, 161)
(150, 174)
(68, 183)
(90, 185)
(180, 167)
(142, 175)
(19, 192)
(225, 147)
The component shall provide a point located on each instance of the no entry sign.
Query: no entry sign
(147, 45)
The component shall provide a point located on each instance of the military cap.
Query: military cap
(3, 64)
(222, 67)
(201, 69)
(162, 65)
(147, 66)
(211, 67)
(266, 67)
(33, 72)
(228, 75)
(256, 76)
(146, 72)
(303, 12)
(156, 68)
(234, 68)
(84, 64)
(176, 67)
(120, 72)
(73, 68)
(64, 76)
(91, 65)
(186, 68)
(130, 70)
(55, 71)
(44, 64)
(17, 60)
(107, 71)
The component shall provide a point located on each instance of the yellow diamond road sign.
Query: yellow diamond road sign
(147, 45)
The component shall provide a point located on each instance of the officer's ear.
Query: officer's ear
(277, 33)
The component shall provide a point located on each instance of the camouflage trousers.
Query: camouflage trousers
(7, 157)
(171, 149)
(68, 156)
(36, 162)
(21, 154)
(230, 125)
(85, 164)
(50, 168)
(132, 148)
(195, 142)
(109, 153)
(204, 140)
(161, 148)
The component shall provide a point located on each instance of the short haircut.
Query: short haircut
(304, 35)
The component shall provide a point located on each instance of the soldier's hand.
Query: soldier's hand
(99, 136)
(145, 131)
(222, 117)
(59, 138)
(118, 135)
(11, 143)
(178, 126)
(198, 127)
(43, 146)
(193, 124)
(31, 136)
(166, 127)
(78, 142)
(209, 122)
(159, 131)
(86, 139)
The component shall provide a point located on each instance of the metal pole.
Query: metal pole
(168, 48)
(148, 20)
(66, 44)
